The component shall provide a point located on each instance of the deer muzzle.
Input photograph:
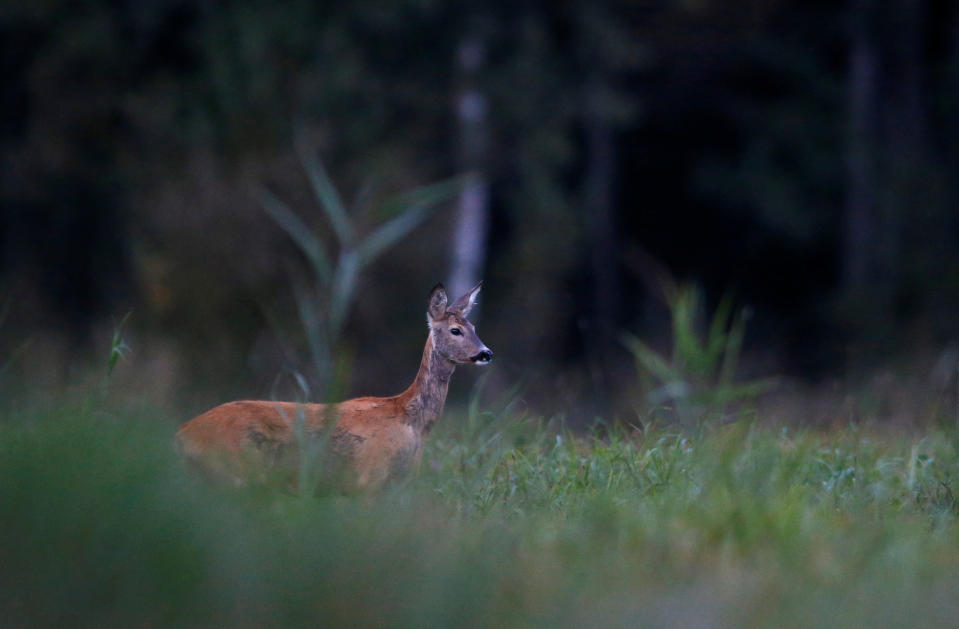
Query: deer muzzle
(484, 356)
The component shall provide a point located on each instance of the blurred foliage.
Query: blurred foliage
(136, 137)
(510, 523)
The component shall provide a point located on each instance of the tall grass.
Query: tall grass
(511, 522)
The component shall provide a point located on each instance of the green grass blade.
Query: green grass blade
(344, 287)
(649, 360)
(731, 350)
(717, 335)
(417, 205)
(326, 193)
(317, 336)
(388, 234)
(289, 222)
(118, 347)
(687, 352)
(364, 198)
(413, 207)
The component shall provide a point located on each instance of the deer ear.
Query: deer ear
(437, 303)
(465, 303)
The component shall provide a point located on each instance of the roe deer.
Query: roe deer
(376, 437)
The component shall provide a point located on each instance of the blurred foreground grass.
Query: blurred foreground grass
(510, 523)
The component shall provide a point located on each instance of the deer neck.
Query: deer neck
(425, 398)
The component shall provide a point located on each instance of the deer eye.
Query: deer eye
(455, 331)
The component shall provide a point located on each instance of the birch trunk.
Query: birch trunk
(860, 210)
(472, 212)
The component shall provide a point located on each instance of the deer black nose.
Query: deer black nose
(483, 357)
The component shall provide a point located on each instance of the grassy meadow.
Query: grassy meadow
(512, 522)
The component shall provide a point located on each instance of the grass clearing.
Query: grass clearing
(510, 523)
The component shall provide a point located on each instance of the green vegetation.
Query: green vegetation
(697, 382)
(323, 307)
(511, 522)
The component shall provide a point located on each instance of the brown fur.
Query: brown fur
(377, 437)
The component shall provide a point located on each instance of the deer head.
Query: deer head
(454, 338)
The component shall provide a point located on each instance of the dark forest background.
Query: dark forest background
(799, 156)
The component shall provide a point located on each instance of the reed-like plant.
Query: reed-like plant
(324, 305)
(697, 380)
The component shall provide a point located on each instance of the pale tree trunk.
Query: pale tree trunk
(885, 149)
(907, 129)
(861, 183)
(906, 173)
(599, 178)
(888, 179)
(472, 212)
